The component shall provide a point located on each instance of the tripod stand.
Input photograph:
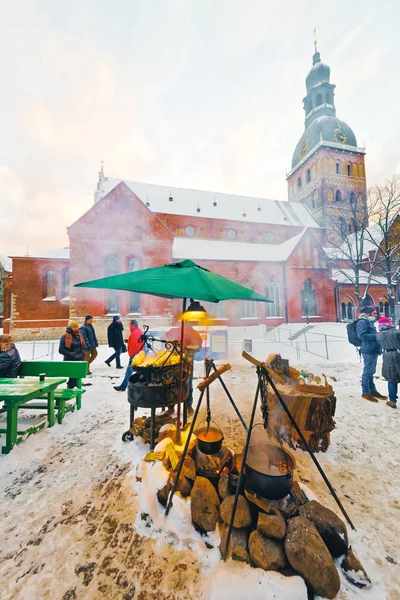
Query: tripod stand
(265, 379)
(203, 387)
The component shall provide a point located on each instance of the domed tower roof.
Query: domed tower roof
(319, 73)
(321, 123)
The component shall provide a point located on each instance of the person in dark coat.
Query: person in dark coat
(369, 350)
(389, 339)
(115, 341)
(10, 360)
(89, 335)
(72, 347)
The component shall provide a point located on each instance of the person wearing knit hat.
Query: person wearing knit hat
(369, 350)
(72, 346)
(89, 335)
(389, 338)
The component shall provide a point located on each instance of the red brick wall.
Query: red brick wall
(118, 225)
(27, 289)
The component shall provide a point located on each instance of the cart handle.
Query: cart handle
(204, 384)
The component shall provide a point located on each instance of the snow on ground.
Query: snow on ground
(73, 497)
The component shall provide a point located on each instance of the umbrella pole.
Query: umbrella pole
(178, 418)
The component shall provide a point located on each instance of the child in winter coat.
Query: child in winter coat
(389, 338)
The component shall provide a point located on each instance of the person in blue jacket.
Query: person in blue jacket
(370, 350)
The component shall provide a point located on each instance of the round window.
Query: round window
(231, 234)
(269, 237)
(190, 230)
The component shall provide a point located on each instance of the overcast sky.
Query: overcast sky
(203, 94)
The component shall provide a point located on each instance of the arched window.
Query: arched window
(299, 183)
(112, 268)
(308, 300)
(312, 203)
(248, 309)
(347, 306)
(272, 293)
(65, 284)
(315, 258)
(49, 287)
(355, 170)
(316, 195)
(350, 227)
(308, 252)
(308, 176)
(342, 226)
(338, 168)
(318, 100)
(338, 196)
(134, 297)
(349, 170)
(328, 98)
(360, 199)
(330, 194)
(352, 199)
(361, 170)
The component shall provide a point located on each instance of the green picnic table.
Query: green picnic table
(14, 393)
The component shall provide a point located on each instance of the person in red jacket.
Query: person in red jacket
(134, 346)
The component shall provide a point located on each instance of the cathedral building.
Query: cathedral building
(278, 248)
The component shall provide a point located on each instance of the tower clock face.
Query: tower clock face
(339, 136)
(304, 149)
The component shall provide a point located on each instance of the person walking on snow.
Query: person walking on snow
(89, 335)
(370, 350)
(115, 341)
(72, 347)
(389, 338)
(134, 346)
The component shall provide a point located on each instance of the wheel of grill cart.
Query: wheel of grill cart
(127, 436)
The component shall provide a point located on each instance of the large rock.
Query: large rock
(354, 570)
(184, 484)
(204, 504)
(271, 526)
(188, 468)
(238, 549)
(266, 553)
(223, 486)
(332, 529)
(300, 496)
(242, 516)
(308, 555)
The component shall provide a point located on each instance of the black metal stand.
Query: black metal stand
(209, 364)
(262, 371)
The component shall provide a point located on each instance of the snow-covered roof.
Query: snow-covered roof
(228, 206)
(57, 253)
(347, 276)
(199, 248)
(372, 237)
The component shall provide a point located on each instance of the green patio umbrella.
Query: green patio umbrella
(184, 280)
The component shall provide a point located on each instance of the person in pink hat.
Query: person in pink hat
(389, 338)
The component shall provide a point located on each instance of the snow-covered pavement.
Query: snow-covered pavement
(70, 503)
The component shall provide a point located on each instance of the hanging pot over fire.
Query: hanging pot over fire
(269, 467)
(209, 437)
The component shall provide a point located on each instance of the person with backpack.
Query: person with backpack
(389, 339)
(369, 350)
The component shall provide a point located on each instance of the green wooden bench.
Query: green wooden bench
(62, 397)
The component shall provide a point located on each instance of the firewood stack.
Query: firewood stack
(313, 408)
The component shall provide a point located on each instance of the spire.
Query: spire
(99, 182)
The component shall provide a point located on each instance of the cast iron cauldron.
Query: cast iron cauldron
(209, 438)
(269, 470)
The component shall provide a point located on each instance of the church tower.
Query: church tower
(328, 171)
